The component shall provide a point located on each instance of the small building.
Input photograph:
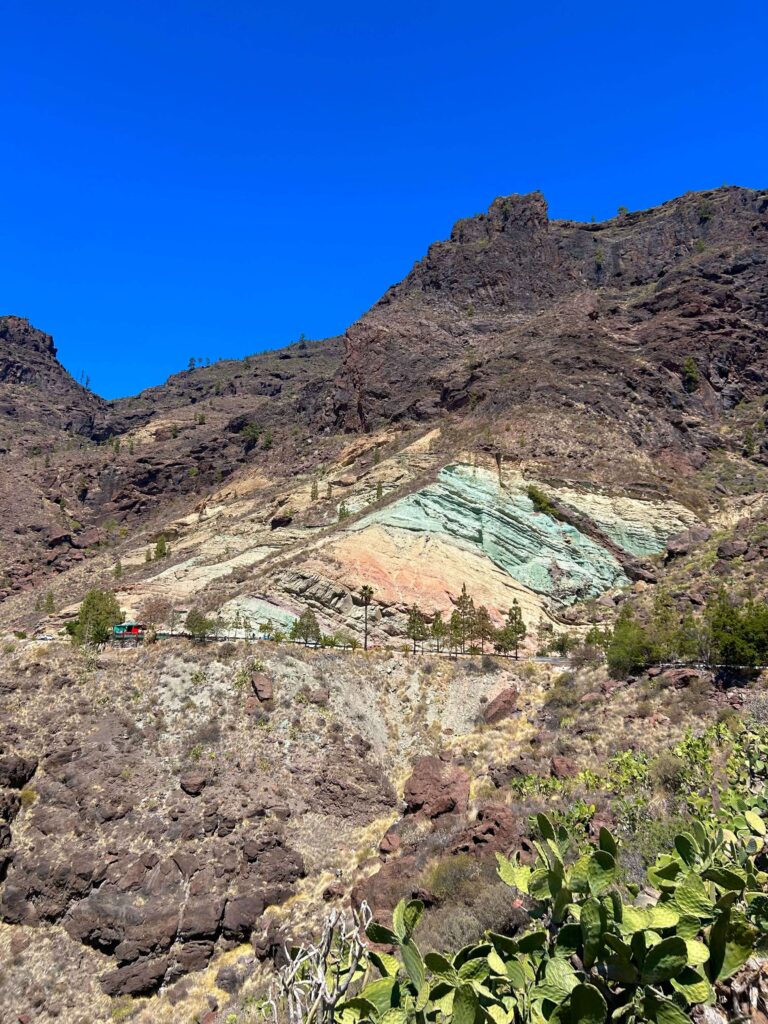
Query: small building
(124, 630)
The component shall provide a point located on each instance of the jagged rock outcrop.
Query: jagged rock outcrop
(515, 309)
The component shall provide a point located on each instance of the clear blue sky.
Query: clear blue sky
(213, 178)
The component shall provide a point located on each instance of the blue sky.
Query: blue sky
(212, 179)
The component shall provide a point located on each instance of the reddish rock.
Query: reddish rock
(496, 830)
(390, 842)
(687, 541)
(678, 678)
(262, 686)
(563, 767)
(436, 788)
(502, 706)
(89, 538)
(589, 698)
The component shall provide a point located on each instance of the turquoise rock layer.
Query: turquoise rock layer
(467, 505)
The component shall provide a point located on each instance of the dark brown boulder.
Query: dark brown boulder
(729, 549)
(16, 771)
(563, 767)
(436, 788)
(193, 782)
(241, 915)
(502, 706)
(137, 979)
(201, 917)
(194, 956)
(685, 542)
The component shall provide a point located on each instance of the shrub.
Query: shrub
(668, 771)
(99, 612)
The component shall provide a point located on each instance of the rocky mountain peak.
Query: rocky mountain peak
(22, 346)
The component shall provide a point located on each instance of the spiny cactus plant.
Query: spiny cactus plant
(595, 950)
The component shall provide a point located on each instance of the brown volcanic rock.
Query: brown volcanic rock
(684, 543)
(436, 788)
(516, 312)
(512, 317)
(732, 549)
(138, 979)
(502, 706)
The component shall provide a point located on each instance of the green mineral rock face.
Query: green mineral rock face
(467, 505)
(640, 528)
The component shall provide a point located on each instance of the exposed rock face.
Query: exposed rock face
(436, 788)
(262, 686)
(512, 274)
(502, 706)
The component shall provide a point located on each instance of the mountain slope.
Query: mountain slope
(625, 361)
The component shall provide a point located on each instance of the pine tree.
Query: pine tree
(544, 635)
(513, 632)
(118, 570)
(455, 632)
(465, 606)
(161, 548)
(379, 491)
(49, 607)
(416, 628)
(99, 612)
(306, 628)
(313, 491)
(439, 630)
(483, 627)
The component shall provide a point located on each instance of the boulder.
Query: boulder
(193, 782)
(685, 542)
(436, 788)
(16, 771)
(200, 917)
(280, 521)
(390, 842)
(502, 706)
(241, 915)
(229, 979)
(678, 678)
(563, 767)
(137, 979)
(496, 830)
(194, 956)
(729, 549)
(262, 686)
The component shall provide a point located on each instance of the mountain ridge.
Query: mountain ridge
(524, 340)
